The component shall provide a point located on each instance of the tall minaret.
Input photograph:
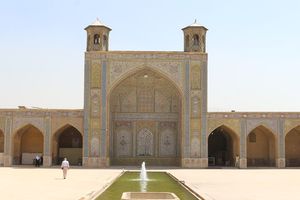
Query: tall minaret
(97, 36)
(195, 38)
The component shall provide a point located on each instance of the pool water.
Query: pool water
(158, 182)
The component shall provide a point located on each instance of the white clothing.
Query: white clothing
(65, 164)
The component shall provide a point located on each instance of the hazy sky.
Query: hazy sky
(253, 48)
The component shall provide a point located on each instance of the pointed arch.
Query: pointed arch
(96, 39)
(196, 40)
(292, 147)
(20, 123)
(28, 141)
(135, 70)
(223, 146)
(65, 126)
(265, 126)
(141, 99)
(232, 124)
(261, 147)
(67, 142)
(290, 125)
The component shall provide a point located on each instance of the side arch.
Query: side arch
(292, 147)
(261, 147)
(290, 125)
(19, 123)
(67, 142)
(232, 124)
(265, 126)
(27, 142)
(223, 146)
(59, 123)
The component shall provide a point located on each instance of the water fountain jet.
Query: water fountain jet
(143, 178)
(143, 173)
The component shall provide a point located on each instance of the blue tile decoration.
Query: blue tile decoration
(86, 110)
(103, 109)
(186, 152)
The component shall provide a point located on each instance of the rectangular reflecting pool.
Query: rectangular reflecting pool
(157, 182)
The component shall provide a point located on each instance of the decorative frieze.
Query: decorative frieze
(145, 55)
(146, 116)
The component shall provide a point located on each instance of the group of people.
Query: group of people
(38, 160)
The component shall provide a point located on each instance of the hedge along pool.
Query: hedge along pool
(157, 182)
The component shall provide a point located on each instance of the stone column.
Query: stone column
(280, 161)
(8, 142)
(243, 144)
(47, 157)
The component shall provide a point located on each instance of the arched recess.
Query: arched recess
(223, 146)
(67, 143)
(261, 147)
(145, 100)
(28, 142)
(1, 141)
(116, 81)
(292, 147)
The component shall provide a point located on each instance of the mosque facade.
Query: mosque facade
(148, 106)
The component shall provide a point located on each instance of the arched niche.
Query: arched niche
(223, 146)
(292, 147)
(261, 147)
(145, 100)
(28, 142)
(67, 142)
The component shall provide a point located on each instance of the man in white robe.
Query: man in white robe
(65, 166)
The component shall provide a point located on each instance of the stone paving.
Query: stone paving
(18, 183)
(237, 184)
(48, 184)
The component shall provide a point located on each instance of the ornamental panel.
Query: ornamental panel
(96, 75)
(145, 143)
(168, 142)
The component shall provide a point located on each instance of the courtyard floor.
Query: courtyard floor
(213, 184)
